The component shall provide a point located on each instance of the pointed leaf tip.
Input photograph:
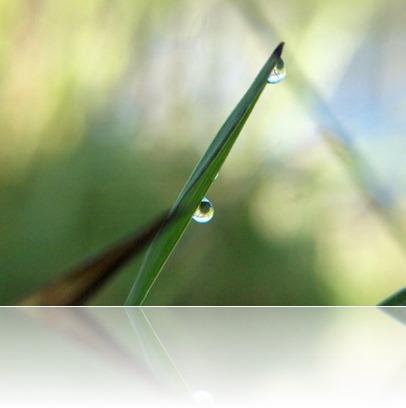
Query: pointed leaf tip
(278, 50)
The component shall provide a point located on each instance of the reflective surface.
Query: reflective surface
(202, 357)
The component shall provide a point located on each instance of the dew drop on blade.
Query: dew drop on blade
(204, 213)
(278, 73)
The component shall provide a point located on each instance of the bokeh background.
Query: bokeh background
(105, 107)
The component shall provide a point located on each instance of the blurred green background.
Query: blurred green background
(105, 107)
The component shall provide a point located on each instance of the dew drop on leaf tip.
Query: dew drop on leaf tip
(278, 73)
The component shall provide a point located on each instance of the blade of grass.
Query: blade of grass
(83, 281)
(397, 299)
(197, 185)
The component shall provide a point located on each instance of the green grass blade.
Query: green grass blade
(197, 185)
(397, 299)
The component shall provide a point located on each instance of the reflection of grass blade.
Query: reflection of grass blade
(156, 355)
(82, 282)
(197, 185)
(82, 328)
(397, 299)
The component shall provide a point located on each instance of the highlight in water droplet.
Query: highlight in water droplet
(205, 212)
(203, 397)
(278, 73)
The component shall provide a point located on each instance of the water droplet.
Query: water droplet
(216, 176)
(204, 213)
(203, 397)
(278, 73)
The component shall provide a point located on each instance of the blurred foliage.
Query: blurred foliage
(106, 106)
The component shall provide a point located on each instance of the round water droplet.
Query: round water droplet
(204, 213)
(278, 73)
